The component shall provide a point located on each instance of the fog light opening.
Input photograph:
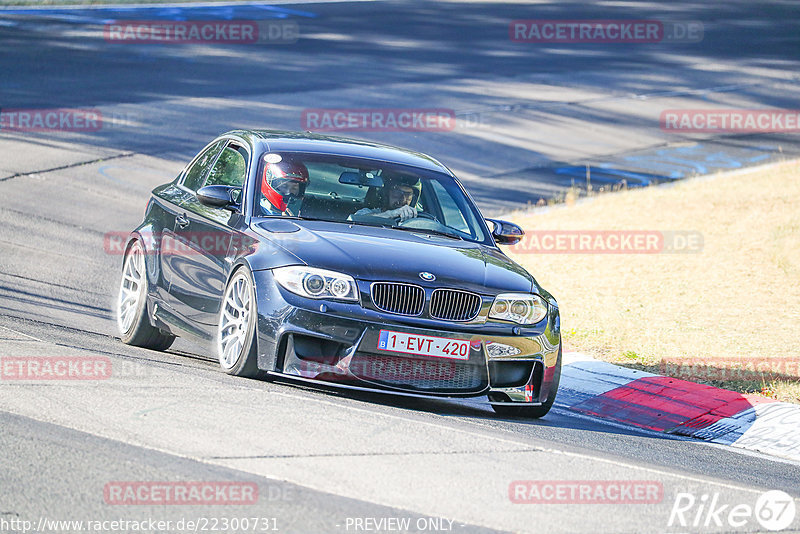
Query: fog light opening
(496, 396)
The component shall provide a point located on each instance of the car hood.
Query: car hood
(374, 253)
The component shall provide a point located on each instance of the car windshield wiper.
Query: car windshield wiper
(358, 223)
(381, 225)
(429, 231)
(302, 218)
(372, 225)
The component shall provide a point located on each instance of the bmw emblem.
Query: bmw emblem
(428, 277)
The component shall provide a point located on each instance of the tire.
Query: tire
(133, 322)
(236, 331)
(534, 412)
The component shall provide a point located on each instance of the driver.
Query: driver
(283, 185)
(399, 198)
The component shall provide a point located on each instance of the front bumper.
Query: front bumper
(336, 344)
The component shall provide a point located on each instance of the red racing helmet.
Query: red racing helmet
(279, 179)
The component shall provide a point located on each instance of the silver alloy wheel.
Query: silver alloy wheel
(130, 289)
(234, 321)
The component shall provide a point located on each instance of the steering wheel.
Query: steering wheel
(423, 215)
(419, 221)
(420, 215)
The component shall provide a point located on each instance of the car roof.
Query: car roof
(287, 141)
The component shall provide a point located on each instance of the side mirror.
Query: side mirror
(217, 196)
(506, 233)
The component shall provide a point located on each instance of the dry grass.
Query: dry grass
(739, 297)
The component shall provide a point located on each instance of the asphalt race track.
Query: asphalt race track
(529, 118)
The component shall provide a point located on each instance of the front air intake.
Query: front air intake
(402, 299)
(454, 305)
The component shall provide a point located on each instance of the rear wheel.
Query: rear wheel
(236, 335)
(534, 412)
(132, 321)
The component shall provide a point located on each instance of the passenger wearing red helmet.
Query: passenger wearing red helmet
(283, 184)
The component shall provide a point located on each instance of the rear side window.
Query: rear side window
(197, 171)
(230, 168)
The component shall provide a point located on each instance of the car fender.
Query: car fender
(264, 332)
(151, 254)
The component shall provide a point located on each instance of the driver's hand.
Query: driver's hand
(404, 212)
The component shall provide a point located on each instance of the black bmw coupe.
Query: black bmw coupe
(340, 262)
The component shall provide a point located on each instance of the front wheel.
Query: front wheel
(534, 412)
(132, 321)
(236, 335)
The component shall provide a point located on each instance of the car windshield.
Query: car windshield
(365, 192)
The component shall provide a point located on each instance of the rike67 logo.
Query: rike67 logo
(774, 511)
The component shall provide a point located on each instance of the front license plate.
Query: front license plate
(439, 347)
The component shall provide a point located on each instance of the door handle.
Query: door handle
(182, 221)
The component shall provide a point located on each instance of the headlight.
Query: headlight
(521, 308)
(316, 283)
